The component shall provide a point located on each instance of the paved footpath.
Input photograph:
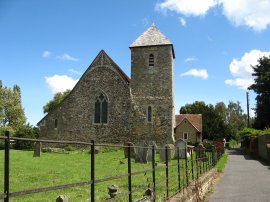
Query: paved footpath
(244, 179)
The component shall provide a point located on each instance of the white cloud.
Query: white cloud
(60, 83)
(191, 59)
(251, 13)
(187, 7)
(183, 21)
(73, 71)
(66, 56)
(242, 71)
(240, 82)
(201, 73)
(46, 54)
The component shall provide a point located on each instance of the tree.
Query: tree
(26, 131)
(11, 110)
(213, 125)
(236, 120)
(261, 87)
(1, 103)
(57, 99)
(221, 109)
(218, 121)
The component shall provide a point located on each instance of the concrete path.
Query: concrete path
(245, 179)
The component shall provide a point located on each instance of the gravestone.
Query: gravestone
(149, 151)
(132, 150)
(182, 145)
(37, 151)
(170, 152)
(141, 152)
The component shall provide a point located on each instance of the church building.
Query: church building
(109, 107)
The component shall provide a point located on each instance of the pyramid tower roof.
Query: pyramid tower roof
(152, 37)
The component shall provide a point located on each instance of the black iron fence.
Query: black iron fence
(167, 177)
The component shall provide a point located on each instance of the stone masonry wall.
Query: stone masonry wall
(152, 86)
(75, 114)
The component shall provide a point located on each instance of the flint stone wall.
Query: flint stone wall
(75, 115)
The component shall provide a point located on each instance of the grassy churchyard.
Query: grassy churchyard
(28, 172)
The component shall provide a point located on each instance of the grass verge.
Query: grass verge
(222, 162)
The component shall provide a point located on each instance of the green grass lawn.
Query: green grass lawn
(28, 172)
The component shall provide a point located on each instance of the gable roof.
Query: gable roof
(102, 53)
(99, 59)
(194, 119)
(152, 37)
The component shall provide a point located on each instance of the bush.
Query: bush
(232, 143)
(3, 129)
(246, 134)
(70, 148)
(195, 144)
(26, 132)
(2, 145)
(208, 145)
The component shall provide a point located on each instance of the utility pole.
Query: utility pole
(248, 108)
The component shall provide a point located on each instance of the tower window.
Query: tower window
(149, 114)
(55, 124)
(101, 109)
(151, 60)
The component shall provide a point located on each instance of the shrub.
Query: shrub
(3, 129)
(195, 144)
(246, 134)
(70, 148)
(25, 132)
(2, 145)
(208, 145)
(232, 143)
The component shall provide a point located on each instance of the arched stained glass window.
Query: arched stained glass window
(101, 109)
(151, 60)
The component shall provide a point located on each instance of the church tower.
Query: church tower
(152, 87)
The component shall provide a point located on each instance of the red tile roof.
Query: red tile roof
(194, 119)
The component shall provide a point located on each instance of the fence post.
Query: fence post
(129, 175)
(197, 169)
(192, 169)
(92, 171)
(203, 162)
(211, 159)
(200, 161)
(178, 167)
(207, 164)
(7, 150)
(213, 156)
(154, 171)
(186, 159)
(167, 171)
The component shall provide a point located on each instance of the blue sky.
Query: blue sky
(46, 45)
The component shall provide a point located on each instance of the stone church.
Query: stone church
(109, 107)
